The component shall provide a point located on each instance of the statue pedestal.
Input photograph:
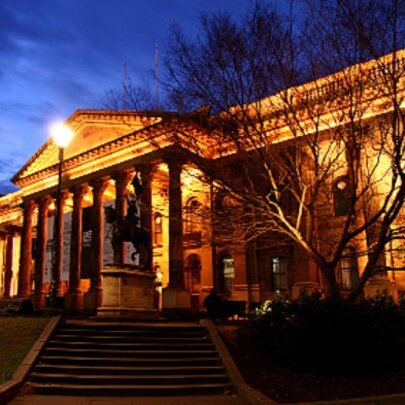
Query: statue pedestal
(127, 292)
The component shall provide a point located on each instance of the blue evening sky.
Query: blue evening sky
(57, 56)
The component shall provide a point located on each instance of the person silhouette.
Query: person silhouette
(213, 304)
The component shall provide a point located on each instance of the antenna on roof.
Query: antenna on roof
(124, 85)
(157, 77)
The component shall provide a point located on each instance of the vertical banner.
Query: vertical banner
(67, 236)
(50, 248)
(87, 233)
(108, 253)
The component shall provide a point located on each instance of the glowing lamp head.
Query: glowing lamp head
(61, 134)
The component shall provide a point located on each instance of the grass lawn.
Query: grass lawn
(17, 335)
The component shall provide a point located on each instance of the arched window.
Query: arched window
(349, 272)
(157, 230)
(193, 272)
(342, 191)
(193, 220)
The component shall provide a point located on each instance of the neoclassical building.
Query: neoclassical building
(108, 149)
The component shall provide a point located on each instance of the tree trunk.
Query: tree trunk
(332, 285)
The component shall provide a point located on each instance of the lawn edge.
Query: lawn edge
(245, 391)
(10, 389)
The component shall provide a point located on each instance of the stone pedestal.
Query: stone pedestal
(127, 292)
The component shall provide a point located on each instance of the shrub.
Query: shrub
(333, 336)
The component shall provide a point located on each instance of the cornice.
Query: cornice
(80, 117)
(130, 140)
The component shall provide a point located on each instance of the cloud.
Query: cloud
(58, 56)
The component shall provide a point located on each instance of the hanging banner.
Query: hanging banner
(87, 233)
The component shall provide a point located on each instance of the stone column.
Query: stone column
(176, 278)
(74, 297)
(146, 200)
(92, 299)
(42, 236)
(175, 297)
(24, 288)
(58, 236)
(8, 275)
(122, 180)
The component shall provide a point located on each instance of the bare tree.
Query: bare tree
(132, 96)
(319, 162)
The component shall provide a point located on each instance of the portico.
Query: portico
(96, 174)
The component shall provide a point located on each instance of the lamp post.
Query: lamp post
(62, 135)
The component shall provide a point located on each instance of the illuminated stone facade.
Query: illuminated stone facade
(107, 149)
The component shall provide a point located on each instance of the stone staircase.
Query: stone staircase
(129, 359)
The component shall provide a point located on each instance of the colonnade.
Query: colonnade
(74, 296)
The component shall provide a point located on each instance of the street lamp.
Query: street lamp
(62, 135)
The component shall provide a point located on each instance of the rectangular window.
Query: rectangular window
(278, 273)
(349, 273)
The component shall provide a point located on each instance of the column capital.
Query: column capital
(175, 160)
(44, 202)
(99, 185)
(79, 191)
(64, 195)
(122, 180)
(28, 206)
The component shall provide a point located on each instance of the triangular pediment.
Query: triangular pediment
(92, 128)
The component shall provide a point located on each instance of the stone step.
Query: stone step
(157, 379)
(134, 332)
(129, 353)
(124, 370)
(128, 339)
(128, 390)
(128, 359)
(101, 326)
(125, 361)
(113, 346)
(131, 324)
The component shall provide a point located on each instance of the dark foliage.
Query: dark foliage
(332, 336)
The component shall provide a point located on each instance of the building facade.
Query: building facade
(192, 252)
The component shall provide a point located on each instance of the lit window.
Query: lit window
(341, 196)
(229, 274)
(278, 273)
(349, 272)
(157, 230)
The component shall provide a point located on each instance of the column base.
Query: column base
(381, 285)
(39, 300)
(92, 301)
(304, 287)
(73, 302)
(176, 302)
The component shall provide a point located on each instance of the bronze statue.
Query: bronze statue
(129, 229)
